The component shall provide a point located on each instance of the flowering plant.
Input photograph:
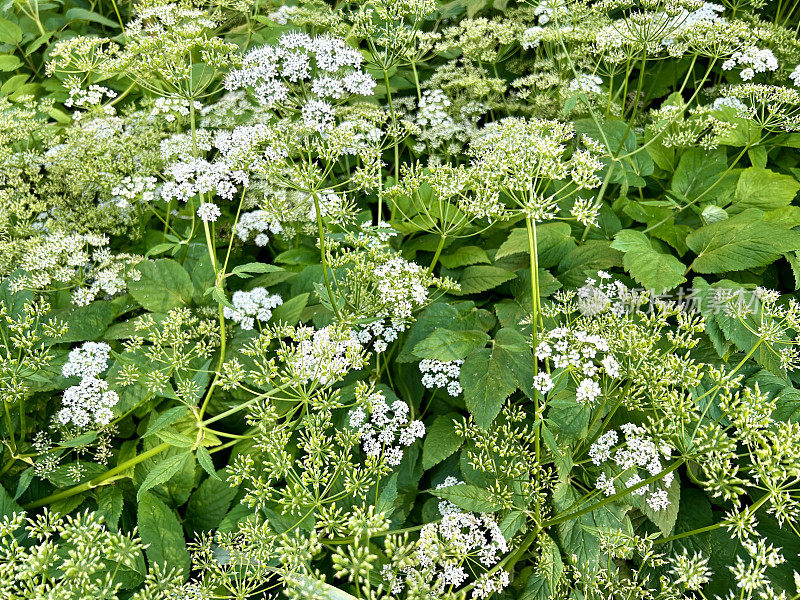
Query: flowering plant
(406, 300)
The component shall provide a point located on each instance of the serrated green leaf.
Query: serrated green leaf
(160, 529)
(255, 268)
(487, 382)
(654, 270)
(204, 459)
(481, 278)
(468, 497)
(109, 504)
(81, 14)
(173, 438)
(741, 242)
(168, 417)
(209, 503)
(162, 471)
(164, 284)
(447, 345)
(463, 256)
(290, 311)
(441, 440)
(763, 189)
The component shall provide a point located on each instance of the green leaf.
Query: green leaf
(109, 504)
(487, 382)
(204, 458)
(463, 256)
(209, 503)
(663, 519)
(480, 278)
(654, 270)
(764, 189)
(164, 284)
(9, 62)
(741, 242)
(173, 438)
(290, 311)
(697, 171)
(468, 497)
(447, 345)
(7, 505)
(81, 14)
(168, 417)
(10, 33)
(255, 268)
(160, 529)
(441, 440)
(162, 472)
(86, 322)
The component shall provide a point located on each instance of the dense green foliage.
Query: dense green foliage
(400, 299)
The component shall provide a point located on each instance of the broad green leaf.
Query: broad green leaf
(10, 33)
(468, 497)
(697, 171)
(663, 519)
(487, 382)
(553, 242)
(9, 62)
(168, 417)
(741, 242)
(204, 459)
(174, 438)
(481, 278)
(543, 582)
(86, 322)
(8, 506)
(164, 284)
(109, 504)
(81, 14)
(586, 260)
(447, 345)
(764, 189)
(163, 470)
(255, 268)
(209, 503)
(654, 270)
(160, 529)
(441, 440)
(463, 256)
(290, 311)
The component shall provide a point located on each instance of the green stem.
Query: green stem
(442, 239)
(99, 480)
(323, 255)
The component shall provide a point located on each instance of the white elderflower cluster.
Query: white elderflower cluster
(460, 545)
(324, 68)
(383, 332)
(385, 429)
(754, 60)
(131, 189)
(401, 286)
(88, 403)
(92, 96)
(636, 452)
(252, 306)
(84, 262)
(325, 355)
(441, 129)
(586, 357)
(587, 83)
(439, 374)
(171, 108)
(198, 176)
(209, 212)
(258, 222)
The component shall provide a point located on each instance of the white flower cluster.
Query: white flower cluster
(383, 425)
(795, 76)
(442, 375)
(260, 223)
(384, 333)
(325, 355)
(579, 353)
(92, 96)
(81, 260)
(325, 66)
(754, 60)
(446, 548)
(209, 212)
(638, 451)
(600, 295)
(438, 127)
(88, 403)
(400, 286)
(587, 83)
(193, 177)
(134, 188)
(252, 306)
(172, 108)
